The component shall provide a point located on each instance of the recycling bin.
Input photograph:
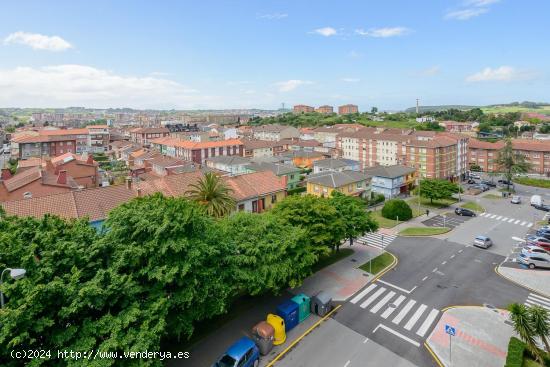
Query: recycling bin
(288, 310)
(263, 336)
(303, 303)
(321, 303)
(278, 324)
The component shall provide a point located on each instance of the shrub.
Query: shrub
(516, 349)
(376, 198)
(397, 209)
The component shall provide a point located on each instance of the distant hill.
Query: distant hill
(526, 106)
(439, 108)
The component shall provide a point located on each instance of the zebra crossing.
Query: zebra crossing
(502, 218)
(535, 300)
(377, 239)
(384, 302)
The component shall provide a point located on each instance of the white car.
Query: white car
(516, 199)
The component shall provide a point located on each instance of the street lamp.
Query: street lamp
(16, 274)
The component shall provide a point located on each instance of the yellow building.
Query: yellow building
(351, 183)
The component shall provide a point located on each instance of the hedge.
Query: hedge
(516, 350)
(536, 182)
(397, 209)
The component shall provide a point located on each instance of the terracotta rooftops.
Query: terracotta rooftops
(173, 142)
(478, 144)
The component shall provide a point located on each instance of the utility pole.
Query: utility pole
(417, 107)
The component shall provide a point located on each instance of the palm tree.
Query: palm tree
(521, 319)
(511, 162)
(214, 194)
(539, 321)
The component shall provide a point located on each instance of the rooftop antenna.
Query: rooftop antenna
(417, 108)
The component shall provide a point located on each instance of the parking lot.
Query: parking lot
(450, 220)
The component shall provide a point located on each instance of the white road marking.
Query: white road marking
(396, 287)
(399, 335)
(531, 303)
(452, 256)
(518, 239)
(366, 340)
(372, 298)
(540, 299)
(426, 277)
(517, 221)
(390, 310)
(482, 214)
(498, 218)
(511, 220)
(460, 251)
(529, 225)
(523, 223)
(435, 269)
(504, 219)
(428, 322)
(444, 262)
(415, 317)
(363, 293)
(404, 312)
(382, 302)
(347, 363)
(492, 216)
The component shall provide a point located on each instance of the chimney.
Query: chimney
(138, 191)
(6, 174)
(284, 179)
(62, 177)
(90, 159)
(129, 183)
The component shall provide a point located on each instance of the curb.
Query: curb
(388, 268)
(521, 285)
(285, 351)
(434, 356)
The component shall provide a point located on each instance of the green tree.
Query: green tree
(354, 213)
(511, 162)
(374, 110)
(540, 320)
(437, 189)
(264, 253)
(324, 226)
(212, 192)
(397, 209)
(521, 319)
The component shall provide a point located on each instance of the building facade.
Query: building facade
(347, 109)
(301, 108)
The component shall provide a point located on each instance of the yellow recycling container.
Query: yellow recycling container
(279, 327)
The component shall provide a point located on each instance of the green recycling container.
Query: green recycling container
(303, 306)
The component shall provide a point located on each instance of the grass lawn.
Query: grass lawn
(442, 203)
(492, 196)
(423, 231)
(379, 263)
(536, 182)
(473, 206)
(332, 258)
(390, 223)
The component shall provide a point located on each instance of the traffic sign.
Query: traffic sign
(450, 330)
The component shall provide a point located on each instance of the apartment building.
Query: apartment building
(275, 132)
(485, 154)
(98, 138)
(347, 109)
(197, 152)
(261, 148)
(302, 108)
(326, 109)
(144, 135)
(459, 127)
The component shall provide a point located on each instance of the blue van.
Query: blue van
(244, 353)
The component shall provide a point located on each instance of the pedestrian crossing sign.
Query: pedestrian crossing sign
(450, 330)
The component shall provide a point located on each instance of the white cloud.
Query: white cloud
(351, 80)
(480, 3)
(383, 32)
(326, 31)
(38, 41)
(502, 73)
(466, 14)
(431, 71)
(272, 16)
(289, 85)
(66, 85)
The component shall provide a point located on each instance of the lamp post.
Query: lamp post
(16, 274)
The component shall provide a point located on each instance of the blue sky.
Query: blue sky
(244, 54)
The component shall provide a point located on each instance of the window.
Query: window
(255, 206)
(359, 185)
(273, 199)
(292, 177)
(350, 188)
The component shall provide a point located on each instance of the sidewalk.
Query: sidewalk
(481, 338)
(342, 279)
(536, 280)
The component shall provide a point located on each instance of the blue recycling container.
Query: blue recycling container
(288, 311)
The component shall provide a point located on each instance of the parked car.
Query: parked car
(488, 183)
(471, 181)
(534, 260)
(464, 211)
(538, 241)
(530, 249)
(536, 200)
(542, 207)
(516, 199)
(244, 353)
(483, 242)
(543, 234)
(474, 175)
(481, 187)
(505, 182)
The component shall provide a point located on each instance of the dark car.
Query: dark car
(488, 183)
(466, 212)
(471, 182)
(505, 182)
(542, 207)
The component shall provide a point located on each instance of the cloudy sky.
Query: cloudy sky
(244, 54)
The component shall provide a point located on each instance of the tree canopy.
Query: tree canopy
(354, 214)
(437, 189)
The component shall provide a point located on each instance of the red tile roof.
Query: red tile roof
(478, 144)
(532, 145)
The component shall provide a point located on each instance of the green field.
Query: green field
(423, 231)
(442, 203)
(379, 263)
(390, 223)
(536, 182)
(503, 109)
(473, 206)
